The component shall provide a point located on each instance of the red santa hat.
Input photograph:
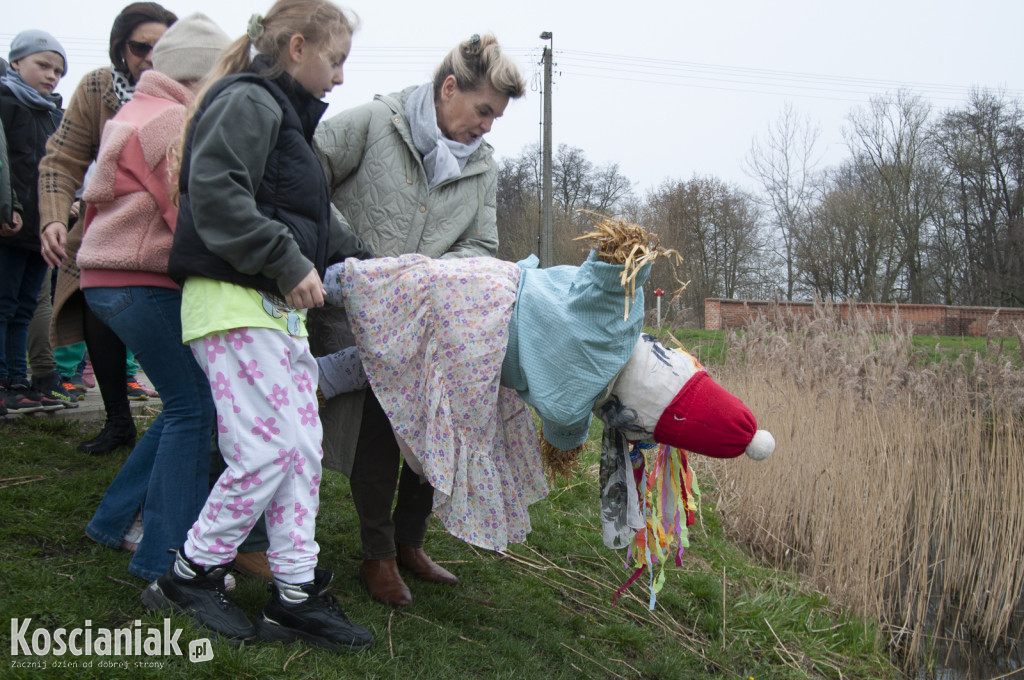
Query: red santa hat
(704, 418)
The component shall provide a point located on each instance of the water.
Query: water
(961, 657)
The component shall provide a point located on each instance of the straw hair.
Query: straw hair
(617, 241)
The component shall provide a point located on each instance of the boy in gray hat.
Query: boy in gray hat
(30, 111)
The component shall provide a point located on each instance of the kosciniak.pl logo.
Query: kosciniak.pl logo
(134, 640)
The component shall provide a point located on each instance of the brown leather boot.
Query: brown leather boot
(381, 578)
(254, 564)
(422, 567)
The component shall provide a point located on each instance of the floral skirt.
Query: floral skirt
(432, 335)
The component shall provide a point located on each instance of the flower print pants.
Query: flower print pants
(264, 388)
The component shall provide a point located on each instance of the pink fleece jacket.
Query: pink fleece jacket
(130, 219)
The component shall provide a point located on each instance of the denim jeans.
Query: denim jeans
(21, 275)
(167, 474)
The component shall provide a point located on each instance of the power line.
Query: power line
(92, 52)
(669, 72)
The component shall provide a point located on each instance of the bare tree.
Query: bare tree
(714, 228)
(848, 248)
(982, 226)
(891, 136)
(571, 174)
(518, 205)
(609, 189)
(577, 184)
(783, 162)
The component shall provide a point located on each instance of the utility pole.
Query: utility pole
(546, 253)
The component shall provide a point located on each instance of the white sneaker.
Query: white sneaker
(133, 536)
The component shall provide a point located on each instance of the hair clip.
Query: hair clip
(255, 28)
(475, 40)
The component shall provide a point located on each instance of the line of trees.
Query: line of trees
(927, 208)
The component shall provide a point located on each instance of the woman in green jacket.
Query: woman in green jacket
(411, 173)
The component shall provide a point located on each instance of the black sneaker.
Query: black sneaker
(51, 387)
(317, 619)
(38, 390)
(190, 588)
(19, 400)
(3, 401)
(135, 391)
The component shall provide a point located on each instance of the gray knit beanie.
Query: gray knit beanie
(190, 48)
(33, 41)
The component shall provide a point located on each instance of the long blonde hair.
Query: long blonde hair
(320, 22)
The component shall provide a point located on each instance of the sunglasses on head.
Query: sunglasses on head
(139, 49)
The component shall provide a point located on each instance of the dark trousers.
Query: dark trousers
(21, 275)
(375, 475)
(108, 355)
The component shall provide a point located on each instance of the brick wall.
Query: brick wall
(926, 319)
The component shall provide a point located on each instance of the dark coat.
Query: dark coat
(27, 130)
(293, 191)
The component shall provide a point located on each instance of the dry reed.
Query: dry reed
(897, 488)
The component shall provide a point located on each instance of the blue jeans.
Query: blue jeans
(167, 474)
(21, 276)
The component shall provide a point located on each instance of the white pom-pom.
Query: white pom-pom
(761, 446)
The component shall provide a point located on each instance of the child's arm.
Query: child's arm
(341, 372)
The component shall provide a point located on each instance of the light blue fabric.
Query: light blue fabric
(567, 340)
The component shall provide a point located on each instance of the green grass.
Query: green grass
(542, 611)
(710, 346)
(934, 348)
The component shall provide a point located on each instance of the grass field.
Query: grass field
(710, 347)
(543, 610)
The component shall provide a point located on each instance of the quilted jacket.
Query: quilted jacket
(379, 185)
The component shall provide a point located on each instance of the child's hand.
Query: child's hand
(309, 293)
(13, 228)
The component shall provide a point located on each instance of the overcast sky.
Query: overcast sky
(667, 88)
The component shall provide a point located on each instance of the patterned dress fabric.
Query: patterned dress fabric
(432, 334)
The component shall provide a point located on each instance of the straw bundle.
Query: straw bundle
(620, 242)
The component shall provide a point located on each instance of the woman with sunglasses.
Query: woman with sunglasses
(69, 152)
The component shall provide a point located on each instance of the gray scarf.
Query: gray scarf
(443, 158)
(28, 95)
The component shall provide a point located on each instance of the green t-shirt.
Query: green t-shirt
(209, 306)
